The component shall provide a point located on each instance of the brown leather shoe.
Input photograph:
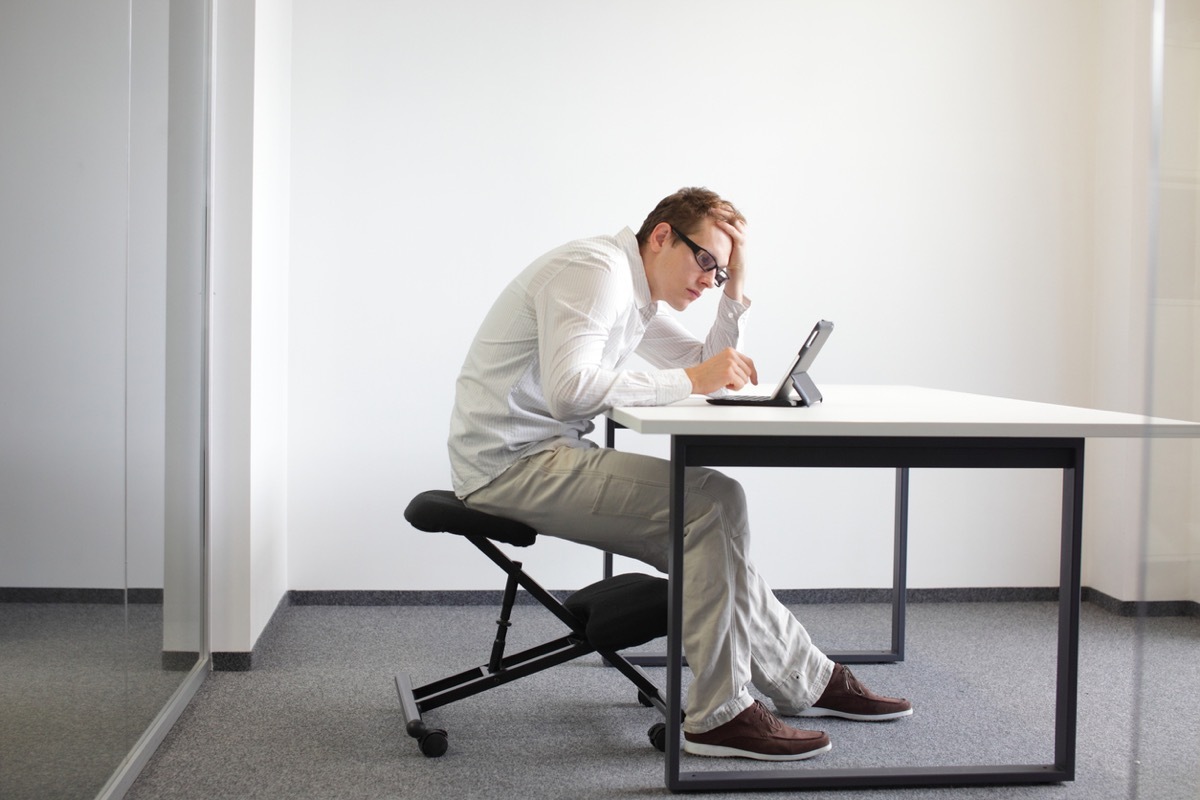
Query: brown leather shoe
(846, 697)
(757, 733)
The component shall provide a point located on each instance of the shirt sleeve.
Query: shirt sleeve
(581, 315)
(668, 343)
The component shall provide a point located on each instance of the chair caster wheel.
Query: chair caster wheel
(658, 736)
(644, 700)
(432, 742)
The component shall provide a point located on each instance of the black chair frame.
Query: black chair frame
(500, 668)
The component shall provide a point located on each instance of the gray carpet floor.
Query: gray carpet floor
(79, 682)
(318, 716)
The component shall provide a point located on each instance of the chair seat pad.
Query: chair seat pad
(439, 511)
(622, 611)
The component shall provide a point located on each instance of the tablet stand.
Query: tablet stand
(804, 386)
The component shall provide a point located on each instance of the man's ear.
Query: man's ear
(658, 236)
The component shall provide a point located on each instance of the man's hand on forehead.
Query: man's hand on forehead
(736, 231)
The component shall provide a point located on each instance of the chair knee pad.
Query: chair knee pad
(622, 611)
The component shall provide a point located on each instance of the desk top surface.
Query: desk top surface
(899, 411)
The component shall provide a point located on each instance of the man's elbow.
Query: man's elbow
(570, 400)
(566, 409)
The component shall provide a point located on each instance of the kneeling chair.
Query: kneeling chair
(607, 616)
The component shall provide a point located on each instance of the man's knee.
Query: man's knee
(726, 497)
(723, 488)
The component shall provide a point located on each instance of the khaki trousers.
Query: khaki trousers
(735, 632)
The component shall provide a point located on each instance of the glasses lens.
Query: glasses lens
(706, 260)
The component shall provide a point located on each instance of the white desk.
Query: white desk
(893, 427)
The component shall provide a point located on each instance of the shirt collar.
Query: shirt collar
(641, 287)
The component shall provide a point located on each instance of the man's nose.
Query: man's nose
(708, 279)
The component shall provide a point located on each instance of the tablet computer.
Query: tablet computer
(796, 378)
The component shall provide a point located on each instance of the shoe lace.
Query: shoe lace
(852, 683)
(770, 720)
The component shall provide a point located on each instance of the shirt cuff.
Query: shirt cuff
(731, 311)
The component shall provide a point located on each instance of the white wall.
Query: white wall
(1112, 513)
(922, 173)
(146, 356)
(1172, 542)
(249, 256)
(960, 189)
(83, 313)
(1147, 267)
(230, 314)
(64, 87)
(269, 325)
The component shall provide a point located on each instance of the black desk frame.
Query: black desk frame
(901, 453)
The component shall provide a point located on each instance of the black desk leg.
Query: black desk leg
(675, 613)
(1070, 578)
(899, 586)
(900, 564)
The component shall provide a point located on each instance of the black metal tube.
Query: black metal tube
(503, 624)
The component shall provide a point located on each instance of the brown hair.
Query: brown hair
(685, 209)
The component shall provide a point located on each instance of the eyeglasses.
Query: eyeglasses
(704, 259)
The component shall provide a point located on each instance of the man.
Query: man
(548, 359)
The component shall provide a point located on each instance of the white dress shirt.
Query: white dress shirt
(547, 358)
